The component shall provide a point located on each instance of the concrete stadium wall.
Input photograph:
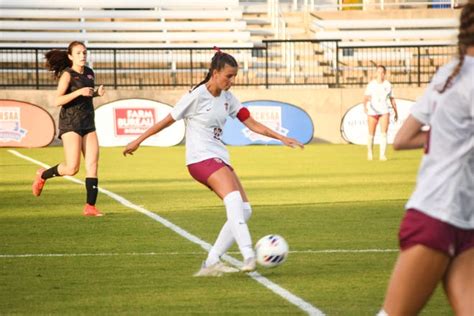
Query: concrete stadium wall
(325, 106)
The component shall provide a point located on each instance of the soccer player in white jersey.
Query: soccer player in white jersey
(378, 97)
(205, 110)
(437, 232)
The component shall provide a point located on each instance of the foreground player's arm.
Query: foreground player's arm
(63, 98)
(410, 135)
(164, 123)
(261, 129)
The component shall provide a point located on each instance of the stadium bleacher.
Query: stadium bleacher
(121, 23)
(128, 40)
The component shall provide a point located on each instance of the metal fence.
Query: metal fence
(279, 62)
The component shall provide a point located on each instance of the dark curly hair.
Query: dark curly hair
(58, 60)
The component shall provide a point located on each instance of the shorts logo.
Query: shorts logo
(218, 160)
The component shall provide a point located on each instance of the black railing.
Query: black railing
(291, 62)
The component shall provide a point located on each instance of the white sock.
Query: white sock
(370, 144)
(382, 312)
(383, 144)
(235, 216)
(225, 240)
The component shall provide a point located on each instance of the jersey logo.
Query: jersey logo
(217, 133)
(91, 77)
(226, 106)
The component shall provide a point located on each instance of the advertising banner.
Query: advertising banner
(354, 128)
(24, 124)
(122, 121)
(284, 118)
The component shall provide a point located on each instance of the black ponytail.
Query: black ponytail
(58, 60)
(206, 79)
(219, 60)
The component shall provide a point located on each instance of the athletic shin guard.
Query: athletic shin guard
(226, 239)
(92, 190)
(236, 219)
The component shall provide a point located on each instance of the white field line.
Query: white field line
(275, 288)
(189, 253)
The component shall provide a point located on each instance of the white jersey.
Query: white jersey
(205, 116)
(380, 94)
(445, 183)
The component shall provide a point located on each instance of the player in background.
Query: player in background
(378, 98)
(437, 231)
(205, 110)
(76, 121)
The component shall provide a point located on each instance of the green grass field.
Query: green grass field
(326, 197)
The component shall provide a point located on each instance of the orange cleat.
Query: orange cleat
(91, 210)
(39, 182)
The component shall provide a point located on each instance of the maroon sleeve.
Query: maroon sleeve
(243, 114)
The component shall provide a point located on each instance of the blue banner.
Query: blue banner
(284, 118)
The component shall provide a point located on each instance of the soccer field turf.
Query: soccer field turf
(339, 213)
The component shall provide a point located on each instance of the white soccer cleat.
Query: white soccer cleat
(250, 265)
(369, 156)
(383, 158)
(216, 270)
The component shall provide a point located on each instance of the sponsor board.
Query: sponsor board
(24, 124)
(120, 122)
(283, 118)
(354, 128)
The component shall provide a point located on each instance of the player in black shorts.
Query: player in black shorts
(76, 120)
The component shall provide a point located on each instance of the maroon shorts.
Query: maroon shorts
(377, 116)
(201, 171)
(418, 228)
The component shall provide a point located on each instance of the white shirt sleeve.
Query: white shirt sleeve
(234, 105)
(424, 106)
(421, 110)
(184, 106)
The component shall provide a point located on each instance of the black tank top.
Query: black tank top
(78, 114)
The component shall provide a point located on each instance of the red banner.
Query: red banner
(133, 121)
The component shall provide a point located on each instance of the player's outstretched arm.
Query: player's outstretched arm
(164, 123)
(410, 135)
(261, 129)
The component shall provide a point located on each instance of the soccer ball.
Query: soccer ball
(271, 250)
